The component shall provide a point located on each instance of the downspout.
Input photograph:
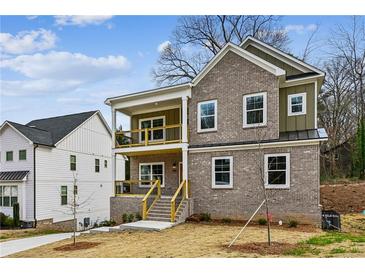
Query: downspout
(34, 185)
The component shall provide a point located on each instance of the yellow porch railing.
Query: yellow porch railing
(145, 207)
(183, 187)
(149, 136)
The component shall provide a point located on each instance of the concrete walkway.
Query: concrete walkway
(14, 246)
(147, 225)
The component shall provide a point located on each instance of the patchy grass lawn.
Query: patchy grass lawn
(12, 234)
(191, 240)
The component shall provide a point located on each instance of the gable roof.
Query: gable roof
(50, 131)
(244, 54)
(286, 58)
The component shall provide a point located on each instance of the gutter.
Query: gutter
(34, 185)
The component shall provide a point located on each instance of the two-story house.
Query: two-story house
(40, 161)
(247, 122)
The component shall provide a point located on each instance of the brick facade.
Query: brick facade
(171, 175)
(299, 202)
(121, 205)
(227, 82)
(61, 226)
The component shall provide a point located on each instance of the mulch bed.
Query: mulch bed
(263, 248)
(78, 246)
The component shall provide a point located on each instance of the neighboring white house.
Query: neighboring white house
(38, 164)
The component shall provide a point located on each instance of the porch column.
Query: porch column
(185, 165)
(184, 137)
(113, 146)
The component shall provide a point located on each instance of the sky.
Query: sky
(57, 65)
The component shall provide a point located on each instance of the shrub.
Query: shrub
(107, 223)
(138, 216)
(293, 223)
(125, 217)
(226, 220)
(262, 221)
(130, 217)
(205, 217)
(16, 215)
(6, 221)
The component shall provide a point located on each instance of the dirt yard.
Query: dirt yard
(343, 198)
(192, 240)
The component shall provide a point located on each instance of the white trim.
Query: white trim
(281, 54)
(244, 54)
(264, 121)
(155, 109)
(151, 163)
(230, 186)
(315, 104)
(215, 116)
(150, 148)
(109, 101)
(257, 146)
(304, 104)
(151, 119)
(287, 171)
(301, 81)
(7, 123)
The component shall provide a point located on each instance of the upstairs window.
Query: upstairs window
(222, 172)
(72, 162)
(97, 165)
(297, 104)
(154, 134)
(22, 154)
(207, 116)
(106, 163)
(63, 195)
(277, 170)
(254, 110)
(9, 156)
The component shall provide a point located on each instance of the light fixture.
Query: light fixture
(174, 166)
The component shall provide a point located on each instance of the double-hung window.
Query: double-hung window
(22, 154)
(153, 134)
(8, 195)
(97, 165)
(63, 195)
(9, 156)
(207, 116)
(222, 172)
(254, 109)
(277, 170)
(72, 162)
(150, 172)
(297, 104)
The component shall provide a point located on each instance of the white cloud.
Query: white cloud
(81, 20)
(164, 45)
(300, 29)
(27, 41)
(56, 72)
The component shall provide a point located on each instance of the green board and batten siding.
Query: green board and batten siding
(289, 69)
(298, 122)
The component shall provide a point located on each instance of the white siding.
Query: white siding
(11, 140)
(89, 142)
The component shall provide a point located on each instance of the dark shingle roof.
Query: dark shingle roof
(308, 134)
(49, 131)
(13, 175)
(301, 75)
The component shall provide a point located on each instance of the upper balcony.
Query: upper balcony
(158, 120)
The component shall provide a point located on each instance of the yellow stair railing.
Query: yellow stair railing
(182, 187)
(145, 208)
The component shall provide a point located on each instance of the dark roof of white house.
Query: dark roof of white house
(49, 131)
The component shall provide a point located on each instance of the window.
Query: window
(63, 195)
(254, 110)
(22, 154)
(153, 135)
(277, 170)
(297, 104)
(106, 163)
(207, 116)
(8, 195)
(72, 162)
(9, 156)
(151, 171)
(97, 165)
(222, 172)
